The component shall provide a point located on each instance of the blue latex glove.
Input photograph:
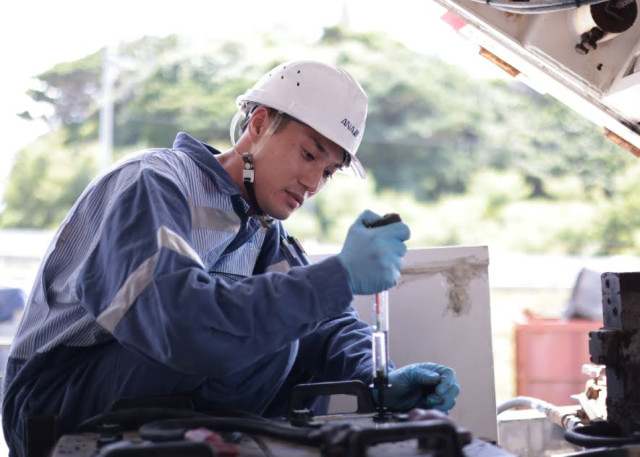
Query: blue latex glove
(422, 385)
(373, 256)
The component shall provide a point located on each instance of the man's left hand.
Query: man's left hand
(422, 385)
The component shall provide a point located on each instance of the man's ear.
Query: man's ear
(259, 122)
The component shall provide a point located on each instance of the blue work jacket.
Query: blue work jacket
(157, 282)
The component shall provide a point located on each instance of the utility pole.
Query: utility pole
(106, 106)
(344, 20)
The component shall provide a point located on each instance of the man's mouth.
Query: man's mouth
(299, 199)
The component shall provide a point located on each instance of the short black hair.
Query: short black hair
(282, 119)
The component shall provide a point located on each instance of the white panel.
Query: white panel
(440, 312)
(624, 94)
(541, 47)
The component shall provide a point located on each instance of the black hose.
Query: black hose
(597, 434)
(525, 5)
(132, 418)
(262, 445)
(174, 429)
(600, 452)
(538, 10)
(536, 7)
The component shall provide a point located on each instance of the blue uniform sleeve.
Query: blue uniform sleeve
(340, 348)
(344, 342)
(144, 283)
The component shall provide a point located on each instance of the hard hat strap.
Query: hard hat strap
(248, 176)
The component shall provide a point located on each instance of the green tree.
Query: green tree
(70, 91)
(432, 128)
(619, 232)
(45, 182)
(544, 139)
(186, 89)
(421, 134)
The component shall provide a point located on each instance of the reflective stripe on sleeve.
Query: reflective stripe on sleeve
(205, 217)
(280, 267)
(142, 277)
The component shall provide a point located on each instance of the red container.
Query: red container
(549, 358)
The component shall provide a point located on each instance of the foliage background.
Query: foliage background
(466, 161)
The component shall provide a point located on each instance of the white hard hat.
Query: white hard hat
(326, 98)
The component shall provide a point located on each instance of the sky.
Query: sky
(37, 34)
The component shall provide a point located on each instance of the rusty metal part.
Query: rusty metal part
(593, 399)
(624, 144)
(491, 57)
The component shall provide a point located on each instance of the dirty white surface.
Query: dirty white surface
(440, 312)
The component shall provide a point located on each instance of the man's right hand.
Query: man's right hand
(373, 256)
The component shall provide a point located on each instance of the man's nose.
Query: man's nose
(312, 180)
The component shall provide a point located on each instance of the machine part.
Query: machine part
(593, 399)
(302, 418)
(438, 436)
(584, 425)
(494, 59)
(589, 40)
(151, 431)
(624, 451)
(418, 414)
(616, 350)
(621, 141)
(535, 7)
(42, 433)
(222, 447)
(380, 336)
(380, 352)
(434, 435)
(173, 449)
(334, 439)
(381, 311)
(387, 219)
(171, 402)
(355, 388)
(566, 418)
(380, 362)
(528, 433)
(617, 346)
(131, 418)
(380, 373)
(597, 23)
(175, 429)
(105, 429)
(109, 433)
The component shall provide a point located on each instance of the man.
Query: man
(173, 275)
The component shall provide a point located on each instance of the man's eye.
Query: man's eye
(328, 174)
(308, 155)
